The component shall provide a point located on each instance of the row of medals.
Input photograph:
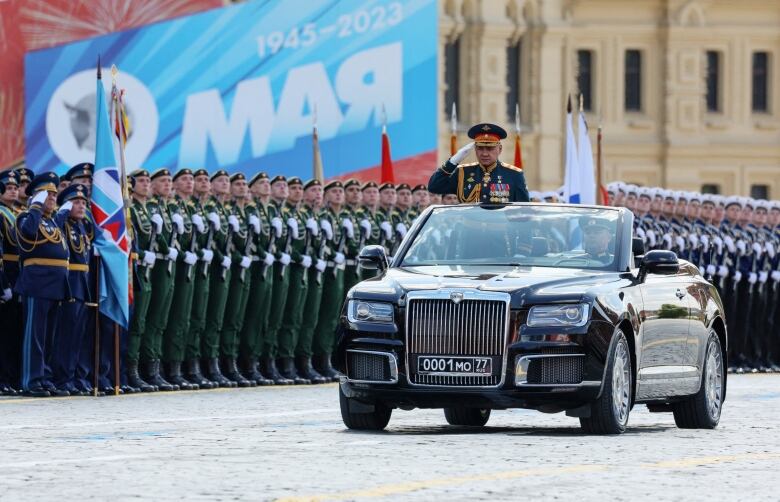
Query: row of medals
(500, 195)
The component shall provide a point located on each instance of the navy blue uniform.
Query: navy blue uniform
(10, 312)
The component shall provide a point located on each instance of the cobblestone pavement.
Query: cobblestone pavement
(269, 443)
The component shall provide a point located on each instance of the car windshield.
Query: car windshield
(528, 235)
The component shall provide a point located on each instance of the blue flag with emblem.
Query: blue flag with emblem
(111, 240)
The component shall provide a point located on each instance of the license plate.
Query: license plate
(454, 366)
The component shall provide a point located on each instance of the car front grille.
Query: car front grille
(368, 366)
(473, 327)
(556, 370)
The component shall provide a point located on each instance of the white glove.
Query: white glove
(705, 241)
(277, 224)
(306, 261)
(149, 258)
(694, 240)
(190, 258)
(226, 262)
(763, 276)
(729, 242)
(311, 226)
(752, 277)
(233, 222)
(269, 259)
(680, 242)
(365, 225)
(641, 234)
(40, 197)
(327, 228)
(347, 225)
(737, 276)
(718, 241)
(401, 229)
(7, 294)
(158, 222)
(723, 271)
(65, 207)
(775, 275)
(293, 224)
(179, 222)
(208, 255)
(651, 238)
(320, 265)
(462, 153)
(711, 270)
(214, 219)
(197, 220)
(245, 262)
(667, 240)
(255, 222)
(387, 229)
(339, 258)
(757, 249)
(285, 259)
(173, 253)
(741, 246)
(770, 249)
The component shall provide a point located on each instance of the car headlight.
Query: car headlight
(558, 315)
(363, 311)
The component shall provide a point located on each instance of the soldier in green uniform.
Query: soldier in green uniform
(311, 207)
(285, 229)
(391, 221)
(375, 218)
(240, 278)
(204, 236)
(332, 221)
(405, 205)
(359, 234)
(168, 226)
(421, 198)
(217, 214)
(175, 334)
(486, 181)
(256, 316)
(301, 251)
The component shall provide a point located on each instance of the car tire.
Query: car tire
(609, 413)
(702, 410)
(475, 417)
(375, 420)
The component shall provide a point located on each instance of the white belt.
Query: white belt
(333, 264)
(351, 263)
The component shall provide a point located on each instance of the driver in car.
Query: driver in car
(596, 236)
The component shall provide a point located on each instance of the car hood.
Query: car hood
(527, 285)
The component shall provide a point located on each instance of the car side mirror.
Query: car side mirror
(637, 246)
(659, 262)
(373, 258)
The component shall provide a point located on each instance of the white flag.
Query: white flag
(585, 161)
(571, 181)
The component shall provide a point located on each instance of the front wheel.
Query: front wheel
(375, 420)
(609, 413)
(476, 417)
(702, 410)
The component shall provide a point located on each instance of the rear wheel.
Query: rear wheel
(609, 413)
(476, 417)
(702, 410)
(375, 420)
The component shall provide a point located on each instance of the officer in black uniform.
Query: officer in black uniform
(42, 284)
(486, 181)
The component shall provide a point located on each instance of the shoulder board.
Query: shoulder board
(470, 164)
(514, 168)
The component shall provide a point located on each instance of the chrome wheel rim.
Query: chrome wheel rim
(713, 379)
(621, 383)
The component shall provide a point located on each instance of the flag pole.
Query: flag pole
(453, 129)
(599, 190)
(96, 369)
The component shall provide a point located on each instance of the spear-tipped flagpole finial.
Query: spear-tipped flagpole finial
(384, 119)
(517, 118)
(100, 71)
(314, 116)
(581, 103)
(568, 104)
(114, 72)
(454, 118)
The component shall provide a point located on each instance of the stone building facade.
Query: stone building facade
(687, 91)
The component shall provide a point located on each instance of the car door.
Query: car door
(665, 325)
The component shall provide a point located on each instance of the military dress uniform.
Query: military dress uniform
(42, 284)
(358, 230)
(10, 308)
(73, 335)
(475, 183)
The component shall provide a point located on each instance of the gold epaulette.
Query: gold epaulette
(514, 168)
(470, 164)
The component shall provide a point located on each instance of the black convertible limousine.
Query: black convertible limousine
(549, 307)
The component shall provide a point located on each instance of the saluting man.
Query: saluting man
(10, 308)
(72, 337)
(42, 284)
(486, 181)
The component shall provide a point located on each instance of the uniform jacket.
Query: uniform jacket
(43, 256)
(474, 183)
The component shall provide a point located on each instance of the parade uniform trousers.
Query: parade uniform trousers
(73, 336)
(281, 281)
(215, 313)
(330, 310)
(159, 308)
(235, 308)
(293, 311)
(176, 332)
(197, 318)
(311, 314)
(256, 316)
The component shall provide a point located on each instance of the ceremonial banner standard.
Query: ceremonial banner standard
(235, 88)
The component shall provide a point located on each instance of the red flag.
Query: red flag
(387, 162)
(518, 153)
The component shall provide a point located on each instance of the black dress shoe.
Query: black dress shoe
(37, 392)
(153, 377)
(175, 377)
(109, 391)
(135, 380)
(270, 371)
(306, 370)
(215, 375)
(323, 366)
(59, 393)
(195, 376)
(232, 373)
(251, 373)
(289, 372)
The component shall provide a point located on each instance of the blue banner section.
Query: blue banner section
(239, 88)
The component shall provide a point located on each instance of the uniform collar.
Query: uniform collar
(490, 168)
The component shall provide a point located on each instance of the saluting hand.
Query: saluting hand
(462, 153)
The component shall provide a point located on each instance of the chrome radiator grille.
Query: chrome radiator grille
(471, 327)
(556, 370)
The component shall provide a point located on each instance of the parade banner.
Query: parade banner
(236, 87)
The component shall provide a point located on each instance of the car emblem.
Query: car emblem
(456, 297)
